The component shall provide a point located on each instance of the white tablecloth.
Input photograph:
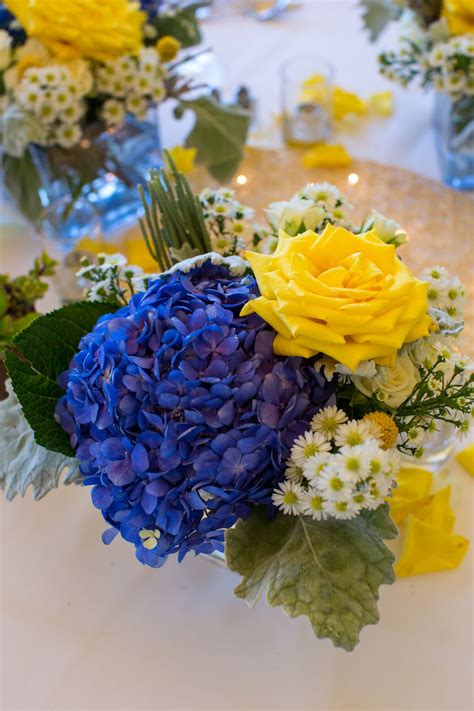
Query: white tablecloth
(85, 626)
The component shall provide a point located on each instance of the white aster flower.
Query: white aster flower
(314, 466)
(72, 113)
(462, 428)
(289, 498)
(142, 84)
(334, 484)
(109, 261)
(118, 88)
(136, 105)
(61, 98)
(158, 92)
(323, 194)
(67, 135)
(328, 420)
(113, 112)
(29, 96)
(343, 510)
(307, 445)
(353, 462)
(293, 472)
(313, 504)
(355, 432)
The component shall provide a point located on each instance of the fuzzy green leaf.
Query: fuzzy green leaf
(182, 24)
(376, 14)
(24, 463)
(329, 571)
(23, 183)
(43, 351)
(219, 135)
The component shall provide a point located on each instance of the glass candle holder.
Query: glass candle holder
(306, 100)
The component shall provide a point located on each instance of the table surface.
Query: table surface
(84, 626)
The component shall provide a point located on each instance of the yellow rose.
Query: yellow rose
(345, 295)
(82, 28)
(459, 15)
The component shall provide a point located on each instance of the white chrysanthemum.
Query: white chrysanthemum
(142, 84)
(29, 96)
(342, 509)
(289, 498)
(461, 362)
(307, 445)
(108, 261)
(72, 113)
(314, 465)
(313, 504)
(113, 112)
(362, 499)
(327, 421)
(67, 135)
(376, 458)
(323, 194)
(136, 105)
(352, 462)
(61, 98)
(293, 472)
(355, 432)
(435, 273)
(47, 113)
(149, 60)
(463, 427)
(334, 484)
(158, 92)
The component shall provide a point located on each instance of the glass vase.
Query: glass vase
(70, 189)
(454, 131)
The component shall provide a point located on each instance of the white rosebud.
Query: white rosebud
(295, 215)
(5, 49)
(393, 382)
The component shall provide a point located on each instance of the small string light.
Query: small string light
(353, 178)
(241, 179)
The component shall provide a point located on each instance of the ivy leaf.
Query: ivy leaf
(329, 571)
(24, 463)
(219, 135)
(376, 15)
(42, 351)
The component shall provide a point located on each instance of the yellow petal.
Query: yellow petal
(434, 510)
(325, 155)
(466, 458)
(413, 483)
(428, 549)
(183, 158)
(381, 103)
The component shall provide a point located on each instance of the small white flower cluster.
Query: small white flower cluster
(445, 293)
(337, 469)
(448, 64)
(129, 84)
(54, 94)
(111, 278)
(227, 220)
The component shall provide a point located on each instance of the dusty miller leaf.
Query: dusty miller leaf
(43, 351)
(377, 14)
(219, 135)
(329, 571)
(24, 463)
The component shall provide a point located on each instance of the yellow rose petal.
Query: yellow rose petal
(428, 549)
(466, 459)
(183, 158)
(381, 103)
(413, 483)
(325, 155)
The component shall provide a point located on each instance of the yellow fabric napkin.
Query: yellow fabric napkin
(466, 458)
(429, 544)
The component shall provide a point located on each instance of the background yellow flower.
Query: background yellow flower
(82, 28)
(345, 295)
(459, 15)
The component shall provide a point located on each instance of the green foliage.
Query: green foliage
(173, 220)
(182, 24)
(376, 15)
(18, 297)
(41, 353)
(23, 183)
(329, 571)
(219, 135)
(23, 463)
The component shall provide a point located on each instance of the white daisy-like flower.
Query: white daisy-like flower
(72, 113)
(158, 92)
(289, 498)
(343, 510)
(461, 362)
(436, 272)
(377, 459)
(125, 64)
(47, 113)
(142, 84)
(355, 432)
(352, 462)
(113, 112)
(314, 465)
(323, 194)
(463, 427)
(61, 98)
(327, 421)
(307, 445)
(293, 472)
(108, 261)
(117, 87)
(334, 484)
(51, 75)
(313, 504)
(29, 96)
(136, 105)
(67, 135)
(362, 499)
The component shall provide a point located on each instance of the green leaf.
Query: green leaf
(329, 571)
(43, 351)
(23, 183)
(219, 135)
(24, 463)
(182, 24)
(377, 14)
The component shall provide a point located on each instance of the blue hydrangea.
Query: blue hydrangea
(181, 414)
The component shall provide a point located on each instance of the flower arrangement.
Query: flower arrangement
(256, 403)
(70, 80)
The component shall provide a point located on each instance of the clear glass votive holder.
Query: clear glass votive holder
(306, 99)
